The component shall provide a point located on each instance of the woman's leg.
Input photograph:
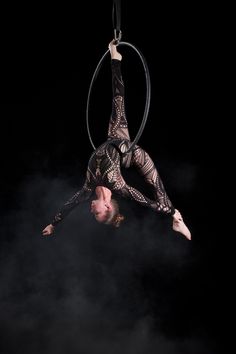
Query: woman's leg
(145, 166)
(118, 126)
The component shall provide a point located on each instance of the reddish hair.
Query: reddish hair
(114, 217)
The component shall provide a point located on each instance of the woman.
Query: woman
(104, 169)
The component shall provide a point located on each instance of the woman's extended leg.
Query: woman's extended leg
(118, 126)
(145, 166)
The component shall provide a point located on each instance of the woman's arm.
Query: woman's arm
(82, 195)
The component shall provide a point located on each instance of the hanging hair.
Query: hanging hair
(114, 217)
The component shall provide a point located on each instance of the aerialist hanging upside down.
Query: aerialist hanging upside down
(104, 169)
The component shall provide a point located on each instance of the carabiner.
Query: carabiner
(117, 36)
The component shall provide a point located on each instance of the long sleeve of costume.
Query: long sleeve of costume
(82, 195)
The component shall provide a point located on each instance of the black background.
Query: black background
(141, 288)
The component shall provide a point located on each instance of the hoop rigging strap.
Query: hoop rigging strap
(148, 95)
(116, 20)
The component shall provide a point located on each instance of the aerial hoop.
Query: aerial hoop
(148, 95)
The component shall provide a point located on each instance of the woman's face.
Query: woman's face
(100, 209)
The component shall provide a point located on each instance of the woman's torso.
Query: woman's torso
(105, 164)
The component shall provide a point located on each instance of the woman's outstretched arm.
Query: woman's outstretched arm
(82, 195)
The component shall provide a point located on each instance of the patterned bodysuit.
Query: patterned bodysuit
(104, 166)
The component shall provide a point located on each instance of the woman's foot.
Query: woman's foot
(113, 51)
(179, 225)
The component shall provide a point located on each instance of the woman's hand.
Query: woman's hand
(48, 230)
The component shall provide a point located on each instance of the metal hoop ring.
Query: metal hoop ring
(148, 95)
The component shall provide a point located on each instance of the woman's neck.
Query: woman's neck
(103, 193)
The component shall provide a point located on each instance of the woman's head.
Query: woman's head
(107, 212)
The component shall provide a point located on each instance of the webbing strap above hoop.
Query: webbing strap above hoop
(116, 20)
(148, 95)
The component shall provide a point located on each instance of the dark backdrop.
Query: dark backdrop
(141, 288)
